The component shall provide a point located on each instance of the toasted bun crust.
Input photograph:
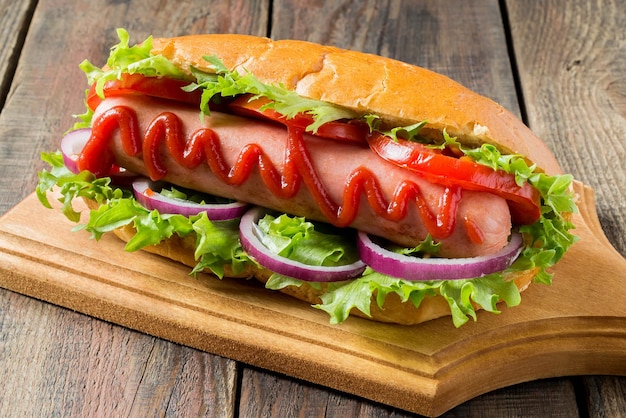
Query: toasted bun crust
(393, 310)
(400, 93)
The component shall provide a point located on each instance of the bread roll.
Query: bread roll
(401, 94)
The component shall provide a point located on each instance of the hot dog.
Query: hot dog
(333, 164)
(408, 158)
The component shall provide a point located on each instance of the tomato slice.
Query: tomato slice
(161, 87)
(348, 131)
(524, 202)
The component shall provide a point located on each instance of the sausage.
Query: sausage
(482, 221)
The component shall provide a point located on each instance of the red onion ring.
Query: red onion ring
(250, 242)
(151, 201)
(72, 145)
(424, 269)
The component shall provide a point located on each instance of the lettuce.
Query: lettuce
(135, 59)
(217, 243)
(226, 83)
(296, 238)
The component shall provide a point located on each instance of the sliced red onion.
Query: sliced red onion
(424, 269)
(71, 146)
(154, 200)
(249, 236)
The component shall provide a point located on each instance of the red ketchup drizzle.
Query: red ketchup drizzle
(203, 146)
(96, 155)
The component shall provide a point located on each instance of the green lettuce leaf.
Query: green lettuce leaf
(135, 59)
(226, 83)
(341, 297)
(138, 59)
(409, 133)
(72, 186)
(217, 243)
(296, 238)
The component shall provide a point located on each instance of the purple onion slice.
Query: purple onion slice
(249, 236)
(71, 146)
(147, 194)
(425, 269)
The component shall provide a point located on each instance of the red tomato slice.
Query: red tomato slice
(524, 201)
(162, 87)
(337, 130)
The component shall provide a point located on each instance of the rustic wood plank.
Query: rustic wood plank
(76, 366)
(606, 396)
(542, 398)
(14, 21)
(104, 43)
(57, 362)
(271, 394)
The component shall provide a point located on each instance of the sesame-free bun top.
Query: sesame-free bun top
(401, 94)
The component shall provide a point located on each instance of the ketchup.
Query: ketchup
(203, 146)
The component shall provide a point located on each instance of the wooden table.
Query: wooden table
(560, 65)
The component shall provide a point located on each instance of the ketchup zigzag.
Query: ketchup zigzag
(204, 146)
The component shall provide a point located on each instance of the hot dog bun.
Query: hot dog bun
(400, 93)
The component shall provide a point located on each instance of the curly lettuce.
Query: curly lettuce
(227, 83)
(136, 59)
(217, 243)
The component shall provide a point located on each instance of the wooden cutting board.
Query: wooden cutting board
(576, 326)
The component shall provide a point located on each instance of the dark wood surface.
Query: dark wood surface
(560, 65)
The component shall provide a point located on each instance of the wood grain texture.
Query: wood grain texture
(275, 395)
(79, 367)
(575, 95)
(425, 33)
(606, 396)
(272, 394)
(14, 21)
